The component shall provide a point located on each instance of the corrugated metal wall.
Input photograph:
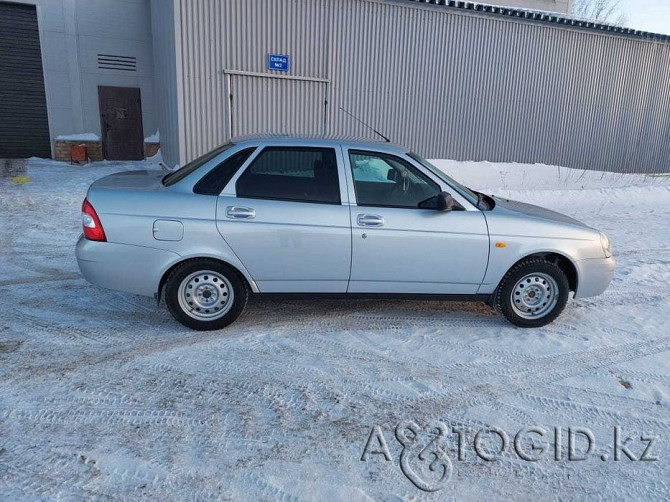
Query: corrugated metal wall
(238, 35)
(271, 105)
(446, 83)
(24, 126)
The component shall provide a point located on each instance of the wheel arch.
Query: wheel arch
(560, 260)
(166, 273)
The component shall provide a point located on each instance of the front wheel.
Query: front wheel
(533, 293)
(205, 294)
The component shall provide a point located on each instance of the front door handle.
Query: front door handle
(370, 220)
(240, 213)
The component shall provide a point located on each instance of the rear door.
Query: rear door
(400, 247)
(284, 218)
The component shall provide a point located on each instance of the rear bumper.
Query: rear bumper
(135, 269)
(594, 276)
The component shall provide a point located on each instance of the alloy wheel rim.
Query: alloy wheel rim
(205, 295)
(534, 295)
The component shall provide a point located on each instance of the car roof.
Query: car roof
(321, 140)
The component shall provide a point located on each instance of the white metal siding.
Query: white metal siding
(276, 105)
(475, 87)
(238, 35)
(446, 83)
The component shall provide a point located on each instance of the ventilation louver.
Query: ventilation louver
(123, 63)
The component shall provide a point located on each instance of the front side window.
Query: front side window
(388, 181)
(301, 174)
(461, 189)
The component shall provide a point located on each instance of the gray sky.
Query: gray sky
(647, 15)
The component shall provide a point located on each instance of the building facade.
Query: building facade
(92, 52)
(448, 79)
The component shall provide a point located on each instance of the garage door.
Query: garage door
(24, 128)
(261, 105)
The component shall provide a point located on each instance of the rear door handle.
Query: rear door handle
(240, 213)
(370, 220)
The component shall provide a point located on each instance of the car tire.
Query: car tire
(533, 293)
(205, 294)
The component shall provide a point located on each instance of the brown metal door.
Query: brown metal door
(121, 123)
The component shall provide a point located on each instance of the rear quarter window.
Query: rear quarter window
(215, 181)
(181, 173)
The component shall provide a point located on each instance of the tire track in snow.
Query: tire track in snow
(466, 393)
(607, 400)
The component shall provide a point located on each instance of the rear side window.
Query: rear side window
(215, 181)
(292, 173)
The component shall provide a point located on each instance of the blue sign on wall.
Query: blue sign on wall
(278, 62)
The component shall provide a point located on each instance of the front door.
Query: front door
(401, 246)
(121, 123)
(286, 222)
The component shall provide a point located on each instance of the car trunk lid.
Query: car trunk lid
(128, 180)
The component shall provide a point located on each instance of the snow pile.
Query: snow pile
(487, 176)
(104, 396)
(78, 137)
(154, 138)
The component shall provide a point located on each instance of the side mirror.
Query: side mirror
(445, 202)
(392, 175)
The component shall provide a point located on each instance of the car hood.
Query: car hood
(521, 208)
(140, 179)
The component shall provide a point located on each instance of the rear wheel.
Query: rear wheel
(533, 293)
(205, 294)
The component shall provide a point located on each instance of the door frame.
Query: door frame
(345, 147)
(103, 143)
(357, 286)
(228, 91)
(231, 229)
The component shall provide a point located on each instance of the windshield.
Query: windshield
(181, 173)
(461, 189)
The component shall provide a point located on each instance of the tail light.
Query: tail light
(93, 230)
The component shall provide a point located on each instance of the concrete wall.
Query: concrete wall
(167, 58)
(72, 34)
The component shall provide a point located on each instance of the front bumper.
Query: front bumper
(594, 276)
(123, 267)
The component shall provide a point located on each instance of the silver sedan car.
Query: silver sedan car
(332, 217)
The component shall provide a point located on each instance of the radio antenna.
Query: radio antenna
(366, 125)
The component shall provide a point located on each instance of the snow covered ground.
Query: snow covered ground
(103, 395)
